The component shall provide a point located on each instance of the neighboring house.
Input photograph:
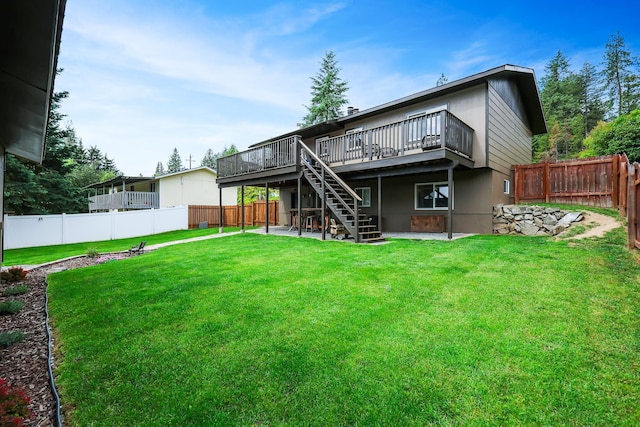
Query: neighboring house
(188, 187)
(30, 35)
(437, 160)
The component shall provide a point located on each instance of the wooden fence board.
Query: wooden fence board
(611, 182)
(589, 182)
(254, 214)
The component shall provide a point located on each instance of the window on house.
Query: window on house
(322, 147)
(354, 138)
(365, 195)
(423, 124)
(506, 185)
(432, 195)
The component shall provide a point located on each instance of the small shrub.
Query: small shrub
(92, 253)
(14, 405)
(11, 307)
(13, 275)
(16, 290)
(7, 339)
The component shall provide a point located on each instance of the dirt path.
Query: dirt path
(603, 224)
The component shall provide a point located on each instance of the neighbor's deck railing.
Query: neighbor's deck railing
(427, 132)
(124, 200)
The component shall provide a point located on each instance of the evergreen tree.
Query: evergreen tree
(328, 93)
(442, 80)
(175, 162)
(209, 159)
(560, 95)
(618, 76)
(592, 106)
(47, 188)
(159, 169)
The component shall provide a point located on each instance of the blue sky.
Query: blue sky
(147, 76)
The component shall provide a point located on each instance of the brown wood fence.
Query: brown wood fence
(254, 214)
(609, 181)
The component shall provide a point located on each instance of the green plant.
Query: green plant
(12, 275)
(7, 339)
(11, 307)
(92, 252)
(14, 405)
(16, 290)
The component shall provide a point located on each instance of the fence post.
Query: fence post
(615, 192)
(632, 214)
(516, 183)
(64, 228)
(546, 178)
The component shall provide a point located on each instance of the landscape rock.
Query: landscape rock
(532, 220)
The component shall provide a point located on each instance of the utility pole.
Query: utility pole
(189, 161)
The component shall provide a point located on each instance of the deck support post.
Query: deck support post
(450, 200)
(220, 226)
(380, 204)
(299, 213)
(266, 191)
(242, 207)
(324, 206)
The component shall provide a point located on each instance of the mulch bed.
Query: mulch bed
(25, 364)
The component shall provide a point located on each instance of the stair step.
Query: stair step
(373, 239)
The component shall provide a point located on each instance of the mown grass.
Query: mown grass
(264, 330)
(42, 254)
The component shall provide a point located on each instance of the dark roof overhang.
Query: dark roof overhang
(30, 33)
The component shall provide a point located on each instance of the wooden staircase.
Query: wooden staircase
(340, 198)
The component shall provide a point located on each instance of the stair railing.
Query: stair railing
(307, 154)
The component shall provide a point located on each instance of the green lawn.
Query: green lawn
(42, 254)
(265, 330)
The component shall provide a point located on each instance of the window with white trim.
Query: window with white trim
(423, 124)
(354, 140)
(506, 186)
(365, 195)
(432, 195)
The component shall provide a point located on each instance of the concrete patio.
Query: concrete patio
(285, 231)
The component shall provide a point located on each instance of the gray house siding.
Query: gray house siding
(468, 105)
(509, 137)
(472, 200)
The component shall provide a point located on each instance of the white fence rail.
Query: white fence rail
(24, 231)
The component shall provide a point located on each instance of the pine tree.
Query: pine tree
(209, 159)
(442, 80)
(618, 76)
(175, 162)
(327, 93)
(592, 107)
(159, 169)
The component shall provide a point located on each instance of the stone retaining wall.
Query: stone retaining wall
(532, 220)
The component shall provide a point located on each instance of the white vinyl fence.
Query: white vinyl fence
(24, 231)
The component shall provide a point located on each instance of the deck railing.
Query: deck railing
(427, 132)
(124, 200)
(277, 154)
(431, 131)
